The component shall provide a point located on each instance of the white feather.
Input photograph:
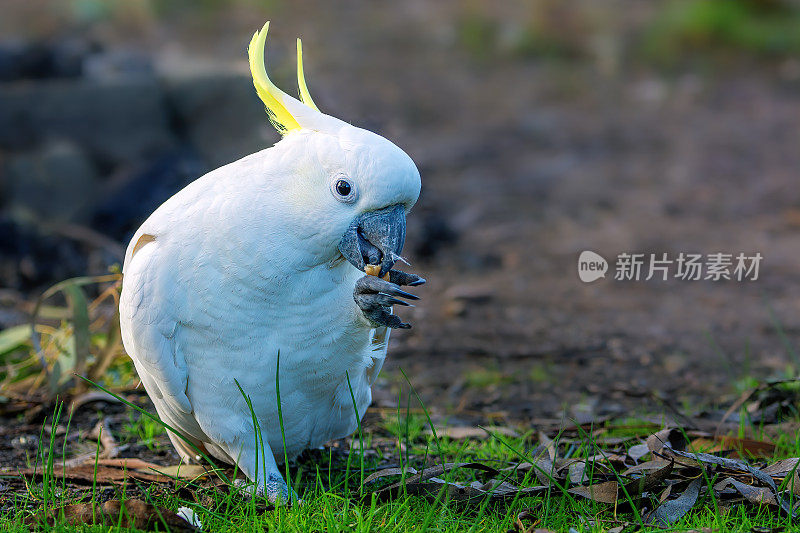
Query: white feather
(242, 264)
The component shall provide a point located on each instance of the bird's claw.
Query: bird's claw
(274, 489)
(404, 278)
(375, 297)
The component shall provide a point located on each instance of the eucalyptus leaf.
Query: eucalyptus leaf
(14, 337)
(80, 325)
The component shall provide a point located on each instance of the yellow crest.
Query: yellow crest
(279, 104)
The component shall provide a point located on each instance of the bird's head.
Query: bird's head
(348, 189)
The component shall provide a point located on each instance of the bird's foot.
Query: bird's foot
(274, 489)
(375, 297)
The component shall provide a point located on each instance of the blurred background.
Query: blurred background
(541, 129)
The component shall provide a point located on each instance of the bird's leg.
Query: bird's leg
(264, 476)
(375, 297)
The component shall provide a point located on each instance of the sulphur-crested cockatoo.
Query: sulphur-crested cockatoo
(257, 269)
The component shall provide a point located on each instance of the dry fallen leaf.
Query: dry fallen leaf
(757, 495)
(91, 396)
(605, 492)
(741, 448)
(671, 511)
(649, 481)
(670, 437)
(426, 483)
(116, 471)
(735, 465)
(637, 451)
(576, 472)
(609, 491)
(183, 471)
(649, 466)
(549, 445)
(542, 468)
(126, 514)
(786, 468)
(469, 432)
(783, 467)
(87, 473)
(531, 515)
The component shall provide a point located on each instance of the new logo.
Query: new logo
(591, 266)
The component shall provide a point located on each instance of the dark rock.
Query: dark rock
(221, 116)
(469, 293)
(42, 60)
(31, 259)
(69, 57)
(115, 64)
(130, 198)
(56, 183)
(436, 233)
(470, 261)
(23, 61)
(116, 122)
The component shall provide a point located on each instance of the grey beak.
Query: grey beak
(375, 238)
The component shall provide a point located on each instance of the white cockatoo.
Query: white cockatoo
(258, 268)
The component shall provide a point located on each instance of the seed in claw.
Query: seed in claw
(374, 270)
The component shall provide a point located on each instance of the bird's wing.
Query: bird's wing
(150, 313)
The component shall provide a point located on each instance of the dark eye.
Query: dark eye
(343, 188)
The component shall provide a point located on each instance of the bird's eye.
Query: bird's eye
(344, 190)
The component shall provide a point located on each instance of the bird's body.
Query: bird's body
(256, 259)
(249, 303)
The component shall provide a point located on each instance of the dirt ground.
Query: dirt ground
(649, 166)
(525, 164)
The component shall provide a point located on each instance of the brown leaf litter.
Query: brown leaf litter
(662, 477)
(126, 514)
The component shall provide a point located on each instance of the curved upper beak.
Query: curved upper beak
(375, 238)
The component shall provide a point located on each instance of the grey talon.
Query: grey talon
(371, 284)
(403, 278)
(391, 300)
(404, 294)
(375, 297)
(393, 321)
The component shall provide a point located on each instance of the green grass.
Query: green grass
(329, 483)
(721, 30)
(334, 498)
(485, 377)
(144, 430)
